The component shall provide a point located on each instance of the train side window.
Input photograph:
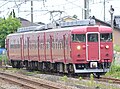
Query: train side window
(93, 37)
(78, 38)
(106, 37)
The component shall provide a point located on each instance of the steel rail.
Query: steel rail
(111, 80)
(29, 83)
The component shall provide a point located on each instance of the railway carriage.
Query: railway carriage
(71, 48)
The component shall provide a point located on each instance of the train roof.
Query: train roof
(71, 26)
(99, 28)
(74, 23)
(72, 29)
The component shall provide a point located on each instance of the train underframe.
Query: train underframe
(58, 67)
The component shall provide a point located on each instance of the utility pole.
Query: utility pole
(104, 10)
(32, 11)
(111, 13)
(24, 1)
(86, 9)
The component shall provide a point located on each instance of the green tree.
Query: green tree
(12, 13)
(7, 26)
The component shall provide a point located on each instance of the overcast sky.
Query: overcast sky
(70, 7)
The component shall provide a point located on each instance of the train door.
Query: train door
(93, 46)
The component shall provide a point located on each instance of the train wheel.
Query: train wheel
(32, 65)
(15, 64)
(36, 65)
(51, 67)
(12, 63)
(39, 66)
(28, 66)
(47, 66)
(55, 67)
(58, 67)
(18, 65)
(21, 64)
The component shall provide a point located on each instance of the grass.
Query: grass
(3, 59)
(98, 85)
(115, 67)
(114, 72)
(64, 78)
(117, 48)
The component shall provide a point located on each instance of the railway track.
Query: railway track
(38, 86)
(109, 80)
(28, 83)
(106, 79)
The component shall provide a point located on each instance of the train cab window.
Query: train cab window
(106, 37)
(93, 37)
(78, 38)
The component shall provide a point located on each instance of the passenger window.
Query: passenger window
(78, 38)
(106, 37)
(93, 37)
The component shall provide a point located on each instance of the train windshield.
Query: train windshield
(106, 37)
(78, 38)
(93, 37)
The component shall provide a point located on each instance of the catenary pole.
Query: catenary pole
(32, 11)
(86, 9)
(104, 10)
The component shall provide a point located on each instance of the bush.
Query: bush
(114, 71)
(117, 48)
(114, 68)
(4, 59)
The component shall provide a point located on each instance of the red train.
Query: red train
(69, 48)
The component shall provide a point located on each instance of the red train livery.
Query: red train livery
(69, 49)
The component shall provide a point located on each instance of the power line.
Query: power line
(13, 6)
(21, 0)
(4, 4)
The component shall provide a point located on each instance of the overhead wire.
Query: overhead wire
(60, 5)
(13, 7)
(4, 4)
(53, 6)
(17, 5)
(68, 2)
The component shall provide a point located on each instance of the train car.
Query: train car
(73, 47)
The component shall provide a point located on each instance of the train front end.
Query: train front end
(92, 49)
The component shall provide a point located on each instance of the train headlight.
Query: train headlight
(107, 46)
(78, 47)
(93, 65)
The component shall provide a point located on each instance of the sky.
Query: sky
(70, 7)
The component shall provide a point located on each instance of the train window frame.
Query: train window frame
(92, 37)
(106, 37)
(75, 38)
